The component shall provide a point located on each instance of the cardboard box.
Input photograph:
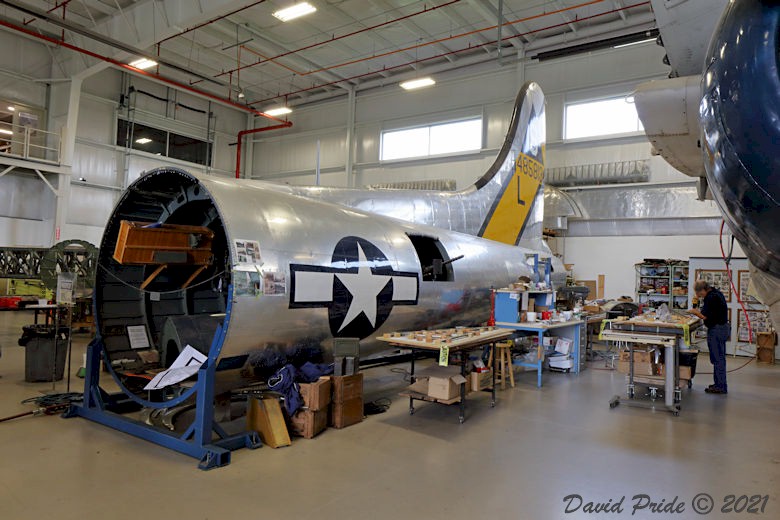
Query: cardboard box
(309, 423)
(640, 368)
(685, 372)
(592, 286)
(592, 308)
(640, 356)
(541, 308)
(444, 382)
(563, 345)
(480, 380)
(316, 395)
(531, 304)
(266, 418)
(346, 388)
(346, 413)
(420, 386)
(766, 339)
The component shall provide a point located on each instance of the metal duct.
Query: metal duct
(643, 227)
(645, 202)
(602, 173)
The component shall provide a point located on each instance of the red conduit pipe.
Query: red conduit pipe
(241, 135)
(158, 77)
(731, 283)
(56, 6)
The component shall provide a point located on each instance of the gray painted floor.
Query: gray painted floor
(518, 460)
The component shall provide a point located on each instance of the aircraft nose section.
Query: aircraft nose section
(740, 119)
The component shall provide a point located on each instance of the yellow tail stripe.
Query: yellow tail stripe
(516, 202)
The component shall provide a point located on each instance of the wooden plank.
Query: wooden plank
(600, 287)
(152, 276)
(454, 344)
(423, 397)
(266, 418)
(193, 276)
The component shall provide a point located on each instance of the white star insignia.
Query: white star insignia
(364, 286)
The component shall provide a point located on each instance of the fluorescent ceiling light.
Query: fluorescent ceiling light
(629, 44)
(143, 140)
(417, 83)
(143, 63)
(294, 11)
(7, 132)
(279, 111)
(12, 109)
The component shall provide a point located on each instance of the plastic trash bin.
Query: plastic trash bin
(39, 359)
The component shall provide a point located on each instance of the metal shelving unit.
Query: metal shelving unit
(662, 282)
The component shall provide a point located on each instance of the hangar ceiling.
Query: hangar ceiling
(238, 50)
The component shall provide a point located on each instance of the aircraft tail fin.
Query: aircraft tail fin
(511, 193)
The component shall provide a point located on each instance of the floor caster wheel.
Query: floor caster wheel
(613, 404)
(411, 412)
(690, 384)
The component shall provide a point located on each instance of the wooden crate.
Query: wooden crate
(765, 347)
(163, 244)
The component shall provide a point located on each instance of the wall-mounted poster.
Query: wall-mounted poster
(274, 283)
(743, 286)
(759, 321)
(718, 278)
(247, 281)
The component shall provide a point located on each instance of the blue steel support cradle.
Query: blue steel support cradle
(196, 441)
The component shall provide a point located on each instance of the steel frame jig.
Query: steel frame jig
(196, 441)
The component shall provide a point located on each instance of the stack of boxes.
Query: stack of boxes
(313, 419)
(347, 406)
(333, 400)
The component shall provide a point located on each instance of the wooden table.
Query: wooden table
(457, 342)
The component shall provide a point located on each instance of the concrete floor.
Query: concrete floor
(518, 460)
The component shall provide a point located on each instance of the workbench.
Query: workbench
(670, 336)
(459, 344)
(571, 329)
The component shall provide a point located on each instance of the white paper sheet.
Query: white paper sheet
(186, 365)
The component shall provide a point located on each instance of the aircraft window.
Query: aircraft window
(601, 117)
(436, 264)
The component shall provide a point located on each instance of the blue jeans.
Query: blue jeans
(717, 337)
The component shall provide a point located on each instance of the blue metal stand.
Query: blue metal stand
(196, 441)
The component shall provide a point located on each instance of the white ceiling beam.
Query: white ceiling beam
(566, 16)
(461, 22)
(619, 5)
(415, 29)
(487, 11)
(335, 9)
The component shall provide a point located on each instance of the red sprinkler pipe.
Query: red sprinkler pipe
(242, 133)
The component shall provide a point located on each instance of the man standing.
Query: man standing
(714, 312)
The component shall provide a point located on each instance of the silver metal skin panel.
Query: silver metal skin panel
(326, 269)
